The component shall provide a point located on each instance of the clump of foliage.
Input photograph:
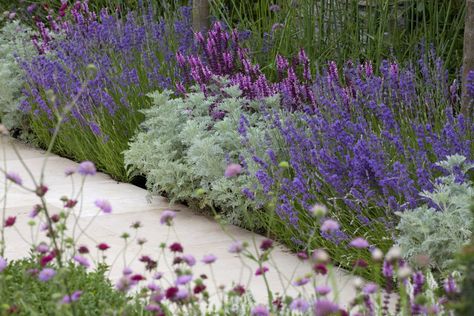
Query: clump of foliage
(442, 226)
(466, 262)
(15, 44)
(183, 151)
(22, 293)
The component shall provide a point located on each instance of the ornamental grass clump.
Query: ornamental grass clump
(122, 59)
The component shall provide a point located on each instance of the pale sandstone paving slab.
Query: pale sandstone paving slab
(198, 234)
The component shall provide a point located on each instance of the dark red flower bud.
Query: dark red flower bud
(176, 247)
(10, 221)
(103, 246)
(266, 244)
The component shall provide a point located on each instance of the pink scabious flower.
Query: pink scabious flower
(330, 226)
(189, 260)
(46, 274)
(301, 281)
(167, 217)
(3, 264)
(300, 305)
(232, 170)
(184, 279)
(323, 289)
(104, 206)
(260, 310)
(82, 261)
(262, 270)
(325, 308)
(68, 299)
(87, 168)
(209, 259)
(14, 177)
(236, 247)
(359, 242)
(10, 221)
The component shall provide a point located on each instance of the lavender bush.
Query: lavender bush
(130, 57)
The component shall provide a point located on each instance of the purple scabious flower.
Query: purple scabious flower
(236, 247)
(299, 305)
(261, 270)
(3, 264)
(209, 259)
(370, 288)
(359, 242)
(82, 261)
(184, 279)
(330, 226)
(68, 299)
(46, 274)
(167, 217)
(325, 308)
(14, 177)
(104, 206)
(87, 168)
(189, 259)
(260, 310)
(323, 290)
(301, 281)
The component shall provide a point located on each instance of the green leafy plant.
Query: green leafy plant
(15, 43)
(439, 228)
(22, 293)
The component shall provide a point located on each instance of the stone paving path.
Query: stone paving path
(198, 234)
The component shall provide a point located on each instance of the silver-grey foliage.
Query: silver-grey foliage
(184, 152)
(439, 229)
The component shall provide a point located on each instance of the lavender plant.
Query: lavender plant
(130, 57)
(442, 226)
(367, 149)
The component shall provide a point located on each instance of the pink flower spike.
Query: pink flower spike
(359, 242)
(104, 206)
(232, 170)
(14, 177)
